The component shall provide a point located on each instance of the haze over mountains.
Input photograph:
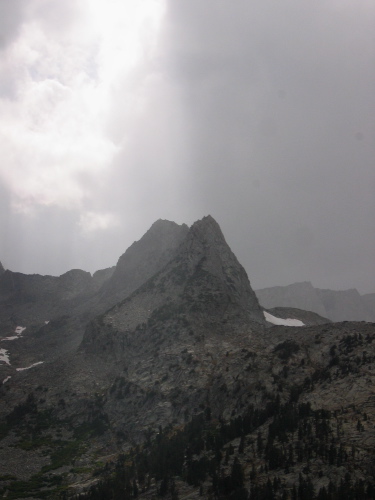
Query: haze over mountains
(337, 305)
(164, 376)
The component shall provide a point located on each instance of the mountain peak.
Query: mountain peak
(202, 279)
(144, 258)
(205, 250)
(207, 229)
(205, 233)
(164, 225)
(2, 270)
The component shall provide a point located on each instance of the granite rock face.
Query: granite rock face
(204, 282)
(206, 251)
(143, 259)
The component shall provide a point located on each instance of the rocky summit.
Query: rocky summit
(164, 377)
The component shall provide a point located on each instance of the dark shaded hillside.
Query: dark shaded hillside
(300, 435)
(54, 311)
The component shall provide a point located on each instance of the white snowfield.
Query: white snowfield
(28, 367)
(280, 321)
(4, 356)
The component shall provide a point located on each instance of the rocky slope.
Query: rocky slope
(345, 305)
(54, 311)
(33, 299)
(183, 390)
(43, 317)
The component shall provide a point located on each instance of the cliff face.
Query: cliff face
(206, 252)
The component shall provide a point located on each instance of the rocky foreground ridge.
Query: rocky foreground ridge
(162, 378)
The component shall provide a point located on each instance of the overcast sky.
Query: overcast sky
(115, 113)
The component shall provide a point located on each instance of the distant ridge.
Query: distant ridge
(345, 305)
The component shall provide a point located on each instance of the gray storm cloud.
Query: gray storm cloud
(260, 114)
(280, 99)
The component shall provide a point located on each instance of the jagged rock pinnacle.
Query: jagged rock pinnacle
(203, 281)
(205, 247)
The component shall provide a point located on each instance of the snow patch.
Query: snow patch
(18, 331)
(6, 379)
(4, 356)
(28, 367)
(46, 322)
(280, 321)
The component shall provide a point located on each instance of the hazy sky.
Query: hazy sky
(115, 113)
